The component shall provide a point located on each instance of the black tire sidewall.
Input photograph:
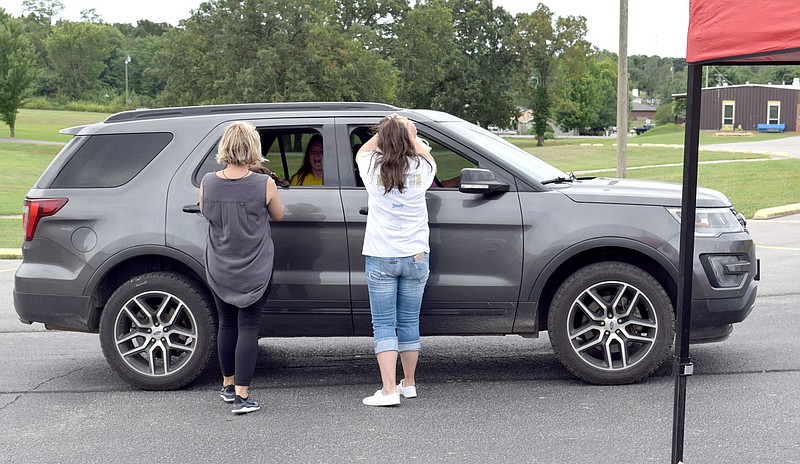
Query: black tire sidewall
(584, 278)
(197, 302)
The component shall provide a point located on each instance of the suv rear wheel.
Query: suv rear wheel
(611, 323)
(158, 331)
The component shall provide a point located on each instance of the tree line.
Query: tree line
(465, 57)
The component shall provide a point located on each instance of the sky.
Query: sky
(654, 28)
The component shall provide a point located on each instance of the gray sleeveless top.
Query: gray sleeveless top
(239, 249)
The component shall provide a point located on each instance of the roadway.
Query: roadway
(482, 399)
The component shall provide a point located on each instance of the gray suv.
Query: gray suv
(114, 244)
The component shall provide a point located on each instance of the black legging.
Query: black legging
(237, 339)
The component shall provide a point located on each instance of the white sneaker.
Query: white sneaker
(407, 392)
(379, 399)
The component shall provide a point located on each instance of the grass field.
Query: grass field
(582, 158)
(20, 167)
(667, 134)
(10, 233)
(45, 124)
(750, 185)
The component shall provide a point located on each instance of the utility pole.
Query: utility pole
(127, 100)
(622, 91)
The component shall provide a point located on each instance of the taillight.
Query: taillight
(33, 210)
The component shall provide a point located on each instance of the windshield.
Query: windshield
(507, 152)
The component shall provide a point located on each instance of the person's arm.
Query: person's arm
(453, 182)
(424, 151)
(274, 205)
(421, 148)
(201, 197)
(371, 145)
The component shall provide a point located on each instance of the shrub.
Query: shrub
(664, 114)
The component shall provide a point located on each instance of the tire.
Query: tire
(611, 323)
(158, 331)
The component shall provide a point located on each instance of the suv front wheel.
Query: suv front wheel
(611, 323)
(158, 331)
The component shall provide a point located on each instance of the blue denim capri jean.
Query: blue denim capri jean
(395, 287)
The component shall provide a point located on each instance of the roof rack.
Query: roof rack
(160, 113)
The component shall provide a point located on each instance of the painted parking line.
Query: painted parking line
(8, 270)
(777, 248)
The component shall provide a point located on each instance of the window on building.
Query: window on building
(728, 107)
(773, 112)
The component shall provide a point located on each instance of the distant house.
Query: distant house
(525, 124)
(524, 121)
(744, 107)
(641, 111)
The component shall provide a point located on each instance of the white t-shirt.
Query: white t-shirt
(397, 223)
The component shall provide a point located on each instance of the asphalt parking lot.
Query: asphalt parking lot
(482, 399)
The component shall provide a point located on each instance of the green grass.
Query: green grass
(45, 124)
(582, 158)
(671, 134)
(10, 233)
(674, 134)
(750, 186)
(21, 164)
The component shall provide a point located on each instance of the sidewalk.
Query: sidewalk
(38, 142)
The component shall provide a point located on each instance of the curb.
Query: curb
(10, 253)
(778, 211)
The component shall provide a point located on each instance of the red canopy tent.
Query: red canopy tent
(746, 32)
(721, 32)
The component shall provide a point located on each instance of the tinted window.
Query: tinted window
(110, 160)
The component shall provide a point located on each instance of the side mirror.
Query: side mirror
(480, 181)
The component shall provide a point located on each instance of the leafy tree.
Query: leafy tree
(78, 52)
(606, 76)
(584, 90)
(17, 68)
(235, 51)
(675, 84)
(276, 50)
(37, 24)
(43, 11)
(778, 74)
(538, 42)
(141, 42)
(91, 16)
(425, 47)
(341, 66)
(665, 113)
(113, 75)
(377, 17)
(143, 28)
(478, 79)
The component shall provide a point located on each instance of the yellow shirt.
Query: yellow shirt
(309, 180)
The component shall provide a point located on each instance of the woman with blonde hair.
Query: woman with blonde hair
(239, 204)
(397, 170)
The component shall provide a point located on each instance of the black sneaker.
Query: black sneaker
(244, 405)
(228, 394)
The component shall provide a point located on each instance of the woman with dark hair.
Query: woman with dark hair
(397, 170)
(310, 172)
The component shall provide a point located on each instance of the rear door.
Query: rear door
(476, 242)
(310, 287)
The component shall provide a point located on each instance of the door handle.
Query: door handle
(191, 208)
(364, 210)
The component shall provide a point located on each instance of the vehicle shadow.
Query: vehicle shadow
(302, 362)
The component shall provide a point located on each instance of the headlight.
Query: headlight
(711, 222)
